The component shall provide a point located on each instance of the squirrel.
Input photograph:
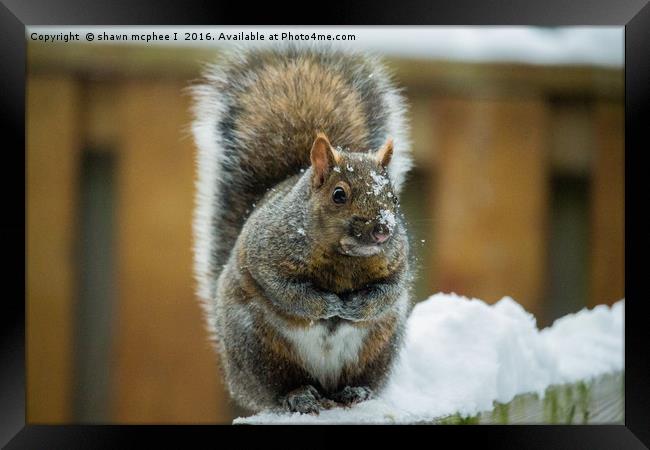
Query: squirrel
(301, 253)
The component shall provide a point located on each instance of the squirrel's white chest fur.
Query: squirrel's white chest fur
(324, 353)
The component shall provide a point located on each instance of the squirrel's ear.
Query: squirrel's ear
(385, 153)
(323, 158)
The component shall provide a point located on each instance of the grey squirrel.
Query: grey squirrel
(301, 253)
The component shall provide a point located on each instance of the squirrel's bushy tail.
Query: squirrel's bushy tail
(256, 115)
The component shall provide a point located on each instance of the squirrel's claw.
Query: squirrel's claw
(350, 395)
(305, 400)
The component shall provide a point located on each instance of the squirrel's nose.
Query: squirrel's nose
(380, 233)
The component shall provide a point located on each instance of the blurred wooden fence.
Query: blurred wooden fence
(488, 141)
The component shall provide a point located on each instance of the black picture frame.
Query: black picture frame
(634, 15)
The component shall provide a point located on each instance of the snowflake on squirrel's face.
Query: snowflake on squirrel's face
(387, 218)
(379, 182)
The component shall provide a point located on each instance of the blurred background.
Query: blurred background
(518, 189)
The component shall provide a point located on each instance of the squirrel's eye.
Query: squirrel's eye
(339, 196)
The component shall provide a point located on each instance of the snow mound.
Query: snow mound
(462, 354)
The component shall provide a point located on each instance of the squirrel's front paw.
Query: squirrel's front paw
(352, 394)
(333, 306)
(305, 400)
(355, 307)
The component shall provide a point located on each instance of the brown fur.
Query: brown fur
(309, 93)
(334, 272)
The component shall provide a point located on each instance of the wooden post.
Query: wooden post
(608, 207)
(52, 151)
(491, 198)
(165, 370)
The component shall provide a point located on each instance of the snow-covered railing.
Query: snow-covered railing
(465, 361)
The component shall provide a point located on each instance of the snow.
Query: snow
(461, 355)
(387, 218)
(379, 182)
(588, 342)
